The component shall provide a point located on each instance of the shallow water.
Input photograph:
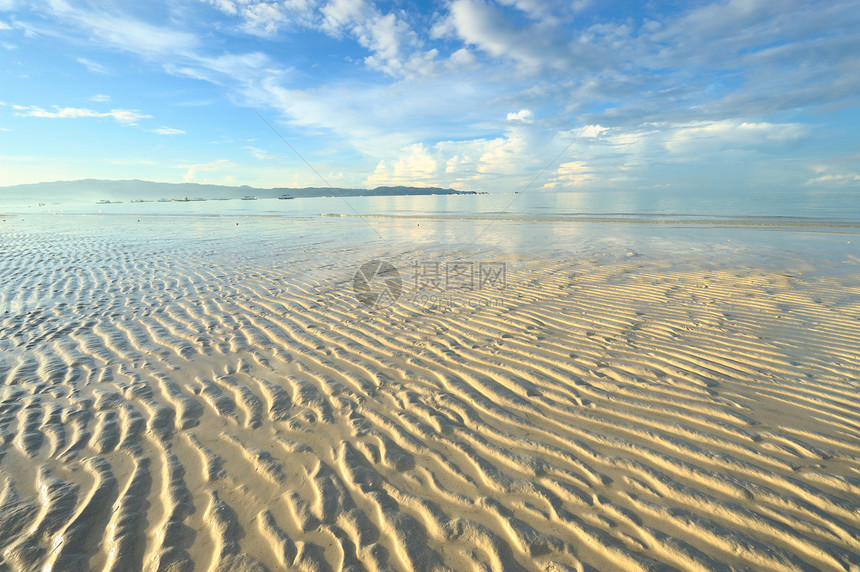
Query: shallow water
(764, 225)
(824, 206)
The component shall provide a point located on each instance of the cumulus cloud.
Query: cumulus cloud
(570, 174)
(394, 47)
(545, 42)
(461, 60)
(266, 18)
(524, 115)
(592, 131)
(226, 6)
(485, 26)
(508, 162)
(502, 156)
(340, 15)
(415, 166)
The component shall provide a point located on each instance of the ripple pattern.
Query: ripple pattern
(164, 406)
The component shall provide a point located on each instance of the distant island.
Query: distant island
(137, 190)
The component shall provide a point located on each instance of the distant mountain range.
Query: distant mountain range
(96, 189)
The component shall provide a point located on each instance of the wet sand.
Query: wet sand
(184, 404)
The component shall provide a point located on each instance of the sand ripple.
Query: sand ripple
(167, 408)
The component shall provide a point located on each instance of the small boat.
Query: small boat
(249, 198)
(107, 202)
(285, 197)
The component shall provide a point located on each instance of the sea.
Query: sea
(746, 227)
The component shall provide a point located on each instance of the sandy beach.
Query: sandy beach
(173, 398)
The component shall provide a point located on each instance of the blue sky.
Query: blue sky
(469, 94)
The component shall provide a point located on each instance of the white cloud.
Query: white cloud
(395, 48)
(834, 180)
(504, 155)
(377, 121)
(192, 171)
(535, 45)
(570, 174)
(836, 172)
(264, 18)
(731, 133)
(593, 131)
(415, 166)
(100, 97)
(461, 60)
(339, 15)
(261, 154)
(246, 66)
(387, 38)
(482, 25)
(168, 131)
(524, 115)
(123, 32)
(502, 163)
(226, 6)
(126, 116)
(4, 26)
(267, 17)
(92, 66)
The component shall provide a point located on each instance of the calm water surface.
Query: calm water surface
(819, 227)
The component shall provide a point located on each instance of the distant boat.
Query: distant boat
(107, 202)
(249, 198)
(164, 200)
(285, 197)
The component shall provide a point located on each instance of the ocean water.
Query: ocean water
(812, 207)
(817, 227)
